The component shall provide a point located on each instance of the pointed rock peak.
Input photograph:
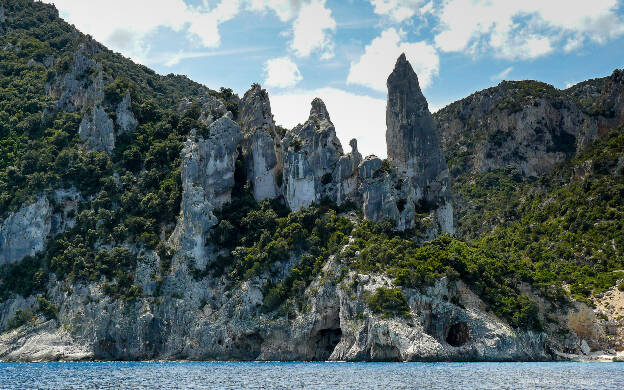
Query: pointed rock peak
(403, 73)
(353, 144)
(254, 110)
(319, 110)
(401, 60)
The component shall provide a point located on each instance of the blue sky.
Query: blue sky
(342, 51)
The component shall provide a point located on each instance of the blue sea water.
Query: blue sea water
(272, 375)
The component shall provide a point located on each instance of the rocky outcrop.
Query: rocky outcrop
(207, 180)
(260, 144)
(310, 153)
(124, 118)
(211, 108)
(24, 233)
(204, 319)
(412, 138)
(414, 148)
(528, 125)
(97, 130)
(82, 86)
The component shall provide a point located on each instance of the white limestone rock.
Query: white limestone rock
(97, 130)
(260, 144)
(125, 119)
(207, 180)
(24, 233)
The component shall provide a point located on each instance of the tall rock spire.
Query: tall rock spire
(412, 138)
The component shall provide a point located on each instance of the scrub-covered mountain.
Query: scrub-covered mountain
(149, 217)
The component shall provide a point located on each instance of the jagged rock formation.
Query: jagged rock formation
(312, 166)
(413, 143)
(207, 179)
(260, 144)
(199, 320)
(125, 119)
(412, 139)
(25, 232)
(528, 125)
(97, 130)
(82, 89)
(310, 154)
(83, 85)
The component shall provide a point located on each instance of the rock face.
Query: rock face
(125, 119)
(310, 153)
(25, 232)
(97, 130)
(308, 164)
(83, 85)
(260, 144)
(528, 125)
(207, 180)
(201, 320)
(412, 138)
(81, 89)
(414, 147)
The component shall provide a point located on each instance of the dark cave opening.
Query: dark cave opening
(324, 342)
(458, 334)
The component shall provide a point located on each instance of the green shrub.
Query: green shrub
(389, 302)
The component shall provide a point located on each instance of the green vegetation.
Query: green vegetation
(134, 193)
(389, 302)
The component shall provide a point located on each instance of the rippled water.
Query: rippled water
(191, 375)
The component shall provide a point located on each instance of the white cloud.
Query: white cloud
(174, 58)
(311, 30)
(398, 10)
(127, 31)
(502, 75)
(284, 9)
(377, 62)
(355, 116)
(526, 29)
(281, 72)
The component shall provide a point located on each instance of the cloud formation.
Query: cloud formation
(377, 62)
(127, 31)
(312, 30)
(281, 73)
(399, 10)
(526, 29)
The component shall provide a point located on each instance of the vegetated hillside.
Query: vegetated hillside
(540, 216)
(134, 192)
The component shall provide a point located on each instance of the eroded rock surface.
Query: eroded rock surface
(24, 233)
(125, 119)
(97, 130)
(207, 180)
(260, 143)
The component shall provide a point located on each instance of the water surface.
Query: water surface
(273, 375)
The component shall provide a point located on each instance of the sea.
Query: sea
(322, 375)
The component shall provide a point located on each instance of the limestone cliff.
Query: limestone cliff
(260, 144)
(528, 125)
(310, 154)
(207, 180)
(204, 319)
(26, 231)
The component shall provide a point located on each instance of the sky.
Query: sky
(343, 50)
